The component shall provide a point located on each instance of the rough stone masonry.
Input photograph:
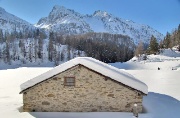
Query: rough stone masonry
(92, 92)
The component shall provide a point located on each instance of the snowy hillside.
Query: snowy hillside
(70, 22)
(162, 101)
(170, 57)
(9, 22)
(170, 52)
(26, 52)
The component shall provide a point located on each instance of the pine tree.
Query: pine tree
(0, 54)
(20, 35)
(30, 52)
(23, 49)
(54, 53)
(37, 35)
(178, 38)
(167, 40)
(4, 54)
(161, 44)
(57, 59)
(14, 51)
(35, 49)
(7, 52)
(68, 53)
(1, 36)
(51, 46)
(40, 48)
(153, 46)
(179, 27)
(62, 56)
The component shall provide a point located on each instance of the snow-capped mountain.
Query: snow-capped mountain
(70, 22)
(64, 20)
(9, 22)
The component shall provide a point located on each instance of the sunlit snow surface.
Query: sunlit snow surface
(162, 101)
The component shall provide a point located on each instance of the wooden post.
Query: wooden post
(135, 110)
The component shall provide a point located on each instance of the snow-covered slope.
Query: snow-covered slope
(166, 60)
(170, 53)
(9, 22)
(70, 22)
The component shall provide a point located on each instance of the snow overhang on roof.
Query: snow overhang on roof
(93, 64)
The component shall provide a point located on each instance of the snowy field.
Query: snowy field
(162, 101)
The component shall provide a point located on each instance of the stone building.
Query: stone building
(83, 84)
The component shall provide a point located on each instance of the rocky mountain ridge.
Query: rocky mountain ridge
(10, 23)
(67, 21)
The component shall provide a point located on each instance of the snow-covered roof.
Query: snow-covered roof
(93, 64)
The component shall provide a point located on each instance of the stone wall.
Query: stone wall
(92, 92)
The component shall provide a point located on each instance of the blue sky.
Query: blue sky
(162, 15)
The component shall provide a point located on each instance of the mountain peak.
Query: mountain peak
(10, 22)
(101, 13)
(61, 11)
(57, 7)
(1, 9)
